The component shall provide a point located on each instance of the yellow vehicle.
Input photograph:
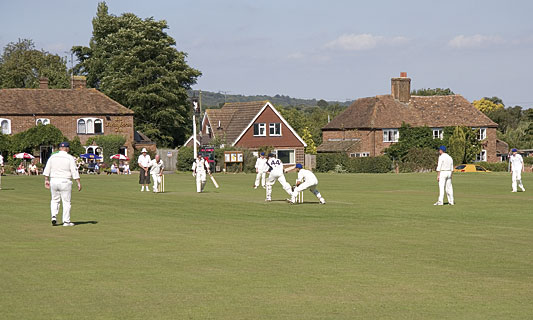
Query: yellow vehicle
(470, 168)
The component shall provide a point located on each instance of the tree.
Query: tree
(506, 118)
(412, 138)
(463, 145)
(110, 145)
(135, 62)
(76, 147)
(433, 92)
(495, 100)
(31, 139)
(486, 106)
(308, 139)
(21, 66)
(322, 103)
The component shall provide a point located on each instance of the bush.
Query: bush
(528, 160)
(419, 160)
(494, 166)
(340, 162)
(185, 159)
(110, 145)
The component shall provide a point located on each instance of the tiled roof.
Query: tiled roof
(432, 111)
(58, 102)
(339, 146)
(233, 117)
(501, 147)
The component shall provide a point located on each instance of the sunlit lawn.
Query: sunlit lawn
(378, 249)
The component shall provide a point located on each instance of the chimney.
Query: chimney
(401, 88)
(43, 83)
(78, 82)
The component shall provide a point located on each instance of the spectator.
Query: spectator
(21, 169)
(127, 168)
(32, 168)
(114, 168)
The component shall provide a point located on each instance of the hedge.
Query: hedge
(341, 163)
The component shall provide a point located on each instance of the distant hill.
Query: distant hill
(216, 100)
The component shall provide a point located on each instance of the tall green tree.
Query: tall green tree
(463, 145)
(21, 66)
(135, 62)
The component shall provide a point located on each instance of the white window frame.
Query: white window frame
(8, 126)
(89, 129)
(44, 121)
(292, 159)
(438, 133)
(261, 128)
(391, 135)
(272, 127)
(360, 154)
(481, 133)
(482, 156)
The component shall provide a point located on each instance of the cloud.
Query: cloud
(296, 56)
(475, 41)
(364, 41)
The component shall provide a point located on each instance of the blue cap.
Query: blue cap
(262, 153)
(443, 148)
(299, 166)
(514, 150)
(64, 145)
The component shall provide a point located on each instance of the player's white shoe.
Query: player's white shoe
(268, 200)
(322, 201)
(437, 203)
(68, 224)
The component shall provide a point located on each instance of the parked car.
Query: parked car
(470, 168)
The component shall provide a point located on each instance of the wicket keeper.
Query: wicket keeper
(306, 180)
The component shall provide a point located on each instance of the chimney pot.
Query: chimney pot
(43, 83)
(401, 88)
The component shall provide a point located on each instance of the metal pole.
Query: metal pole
(194, 135)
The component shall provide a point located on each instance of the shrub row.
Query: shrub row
(341, 163)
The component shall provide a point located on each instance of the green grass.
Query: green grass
(378, 249)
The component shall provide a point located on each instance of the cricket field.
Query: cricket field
(378, 249)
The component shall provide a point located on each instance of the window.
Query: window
(482, 156)
(438, 133)
(286, 156)
(360, 154)
(480, 169)
(391, 135)
(275, 129)
(90, 126)
(207, 129)
(98, 127)
(43, 121)
(260, 129)
(5, 124)
(81, 126)
(482, 133)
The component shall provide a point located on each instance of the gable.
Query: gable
(268, 114)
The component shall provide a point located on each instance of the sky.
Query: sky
(333, 50)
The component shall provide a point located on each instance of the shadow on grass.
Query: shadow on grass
(85, 222)
(7, 189)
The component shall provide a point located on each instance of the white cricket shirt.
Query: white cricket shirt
(260, 164)
(144, 161)
(199, 166)
(517, 163)
(156, 167)
(307, 176)
(445, 163)
(276, 165)
(61, 165)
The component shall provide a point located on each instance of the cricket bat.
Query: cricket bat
(214, 181)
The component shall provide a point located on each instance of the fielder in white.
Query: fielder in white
(59, 171)
(444, 177)
(200, 170)
(156, 170)
(275, 169)
(261, 169)
(517, 167)
(306, 180)
(1, 170)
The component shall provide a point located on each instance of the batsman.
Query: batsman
(306, 180)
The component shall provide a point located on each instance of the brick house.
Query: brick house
(78, 111)
(370, 125)
(251, 125)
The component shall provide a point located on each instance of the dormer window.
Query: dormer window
(43, 121)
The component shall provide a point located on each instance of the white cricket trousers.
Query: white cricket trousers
(200, 181)
(157, 180)
(61, 190)
(261, 176)
(272, 178)
(445, 184)
(517, 178)
(306, 185)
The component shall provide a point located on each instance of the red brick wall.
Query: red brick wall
(490, 145)
(121, 125)
(287, 138)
